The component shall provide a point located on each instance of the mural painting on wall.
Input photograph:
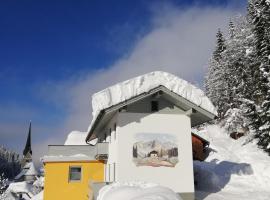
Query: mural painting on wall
(155, 149)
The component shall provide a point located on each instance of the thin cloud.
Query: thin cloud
(180, 42)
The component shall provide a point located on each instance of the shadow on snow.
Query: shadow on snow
(212, 177)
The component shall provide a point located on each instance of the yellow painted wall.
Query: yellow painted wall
(58, 187)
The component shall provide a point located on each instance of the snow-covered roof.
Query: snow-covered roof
(32, 170)
(138, 85)
(62, 158)
(19, 187)
(76, 138)
(28, 170)
(22, 173)
(63, 153)
(131, 88)
(38, 196)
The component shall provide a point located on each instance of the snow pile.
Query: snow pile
(76, 138)
(38, 185)
(39, 182)
(39, 196)
(136, 191)
(234, 170)
(138, 85)
(20, 187)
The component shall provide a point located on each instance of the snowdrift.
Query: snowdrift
(235, 169)
(136, 191)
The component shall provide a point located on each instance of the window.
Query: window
(75, 173)
(154, 106)
(114, 131)
(110, 135)
(114, 171)
(105, 137)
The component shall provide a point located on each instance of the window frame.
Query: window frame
(69, 173)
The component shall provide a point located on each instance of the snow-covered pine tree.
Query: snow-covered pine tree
(259, 15)
(220, 46)
(9, 163)
(231, 30)
(236, 59)
(3, 186)
(214, 82)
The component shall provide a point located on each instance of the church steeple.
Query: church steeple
(27, 148)
(27, 152)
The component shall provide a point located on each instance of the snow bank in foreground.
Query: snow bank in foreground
(136, 191)
(234, 170)
(76, 138)
(138, 85)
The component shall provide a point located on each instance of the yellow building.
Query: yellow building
(70, 171)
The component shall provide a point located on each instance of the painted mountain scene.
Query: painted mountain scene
(155, 149)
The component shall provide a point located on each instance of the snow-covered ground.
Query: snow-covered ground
(233, 170)
(136, 191)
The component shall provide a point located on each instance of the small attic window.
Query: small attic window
(154, 106)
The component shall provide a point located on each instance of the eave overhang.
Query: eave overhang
(174, 96)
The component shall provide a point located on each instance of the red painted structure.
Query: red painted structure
(199, 147)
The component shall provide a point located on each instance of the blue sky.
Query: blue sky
(55, 54)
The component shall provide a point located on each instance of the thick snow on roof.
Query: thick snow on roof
(19, 187)
(138, 85)
(22, 173)
(136, 191)
(76, 138)
(76, 157)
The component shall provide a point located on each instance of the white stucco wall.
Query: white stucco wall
(178, 178)
(112, 158)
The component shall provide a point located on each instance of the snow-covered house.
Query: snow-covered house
(69, 169)
(149, 113)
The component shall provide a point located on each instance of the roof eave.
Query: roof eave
(162, 88)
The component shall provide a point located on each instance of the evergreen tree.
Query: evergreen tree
(9, 163)
(231, 30)
(215, 83)
(3, 186)
(220, 46)
(238, 78)
(259, 16)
